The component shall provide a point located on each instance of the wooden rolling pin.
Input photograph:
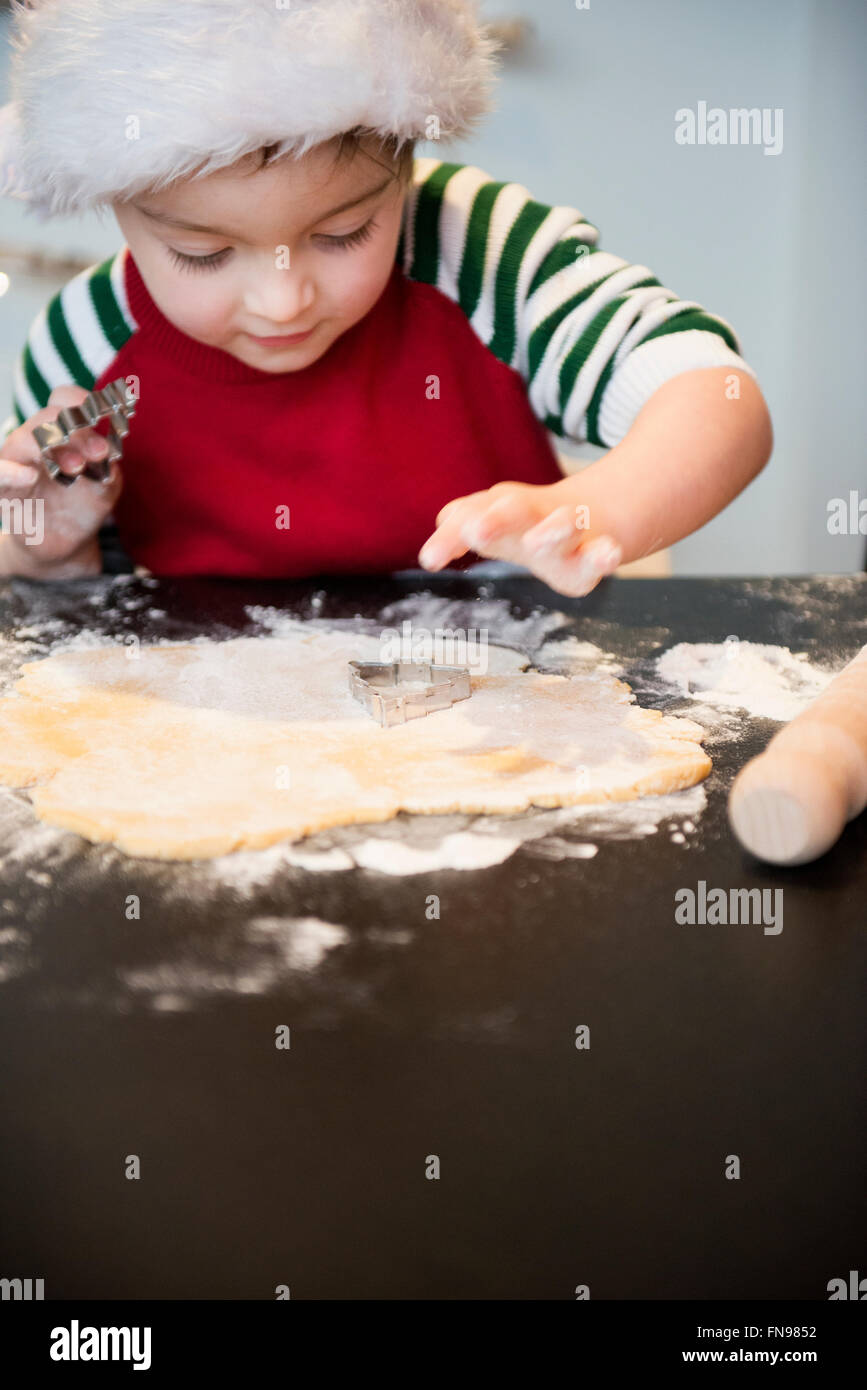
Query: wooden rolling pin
(790, 804)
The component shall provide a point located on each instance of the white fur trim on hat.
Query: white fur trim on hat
(112, 97)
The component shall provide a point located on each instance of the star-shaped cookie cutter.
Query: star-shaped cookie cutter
(114, 402)
(377, 686)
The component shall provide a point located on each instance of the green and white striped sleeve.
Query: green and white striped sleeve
(592, 336)
(72, 340)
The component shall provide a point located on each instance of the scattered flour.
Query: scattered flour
(459, 851)
(431, 613)
(270, 951)
(302, 942)
(427, 844)
(768, 681)
(724, 681)
(570, 656)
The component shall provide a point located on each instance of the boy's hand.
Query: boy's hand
(541, 527)
(694, 445)
(72, 516)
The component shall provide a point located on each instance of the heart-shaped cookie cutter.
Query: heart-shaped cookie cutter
(114, 402)
(377, 686)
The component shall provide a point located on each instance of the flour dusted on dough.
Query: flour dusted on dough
(199, 749)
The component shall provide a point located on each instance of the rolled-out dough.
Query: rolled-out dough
(194, 750)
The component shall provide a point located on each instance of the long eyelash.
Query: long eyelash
(211, 262)
(352, 239)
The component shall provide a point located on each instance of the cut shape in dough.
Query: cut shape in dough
(194, 750)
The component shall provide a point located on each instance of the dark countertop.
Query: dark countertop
(453, 1037)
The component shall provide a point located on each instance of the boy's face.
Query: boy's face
(301, 247)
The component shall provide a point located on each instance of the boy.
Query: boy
(338, 350)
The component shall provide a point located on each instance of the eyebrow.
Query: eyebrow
(165, 217)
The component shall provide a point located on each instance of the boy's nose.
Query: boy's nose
(280, 298)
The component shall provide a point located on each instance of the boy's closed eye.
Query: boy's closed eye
(324, 242)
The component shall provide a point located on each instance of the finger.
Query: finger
(95, 445)
(16, 476)
(21, 446)
(502, 524)
(491, 523)
(104, 495)
(550, 548)
(448, 509)
(69, 459)
(93, 498)
(72, 459)
(487, 495)
(447, 541)
(576, 573)
(113, 487)
(87, 448)
(63, 396)
(556, 532)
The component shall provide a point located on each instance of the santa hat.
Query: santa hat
(112, 97)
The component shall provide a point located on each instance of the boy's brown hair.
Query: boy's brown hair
(350, 144)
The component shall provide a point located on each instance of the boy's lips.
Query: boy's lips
(282, 339)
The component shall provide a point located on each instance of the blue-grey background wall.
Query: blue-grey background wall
(586, 116)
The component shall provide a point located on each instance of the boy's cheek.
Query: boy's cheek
(180, 299)
(200, 317)
(357, 300)
(359, 291)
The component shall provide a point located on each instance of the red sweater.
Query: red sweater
(351, 445)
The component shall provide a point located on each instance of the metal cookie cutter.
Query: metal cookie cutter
(114, 402)
(378, 688)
